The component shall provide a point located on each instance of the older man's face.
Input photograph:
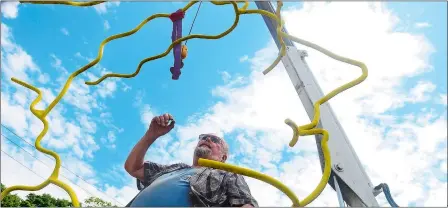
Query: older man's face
(210, 147)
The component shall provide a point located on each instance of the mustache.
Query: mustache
(202, 151)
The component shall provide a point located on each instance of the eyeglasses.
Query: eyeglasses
(213, 138)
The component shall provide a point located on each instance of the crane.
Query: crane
(348, 177)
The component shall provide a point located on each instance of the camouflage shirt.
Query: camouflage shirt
(208, 187)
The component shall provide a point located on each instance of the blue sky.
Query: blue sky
(401, 108)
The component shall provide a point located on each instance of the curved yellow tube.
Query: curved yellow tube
(246, 4)
(295, 129)
(337, 90)
(282, 43)
(327, 160)
(54, 176)
(307, 129)
(252, 174)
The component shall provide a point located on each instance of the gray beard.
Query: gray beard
(202, 152)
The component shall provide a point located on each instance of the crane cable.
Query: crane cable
(192, 24)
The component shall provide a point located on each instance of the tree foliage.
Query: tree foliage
(10, 200)
(46, 200)
(97, 202)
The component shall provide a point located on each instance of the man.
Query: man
(182, 185)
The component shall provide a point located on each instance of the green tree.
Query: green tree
(10, 200)
(63, 203)
(46, 200)
(97, 202)
(33, 200)
(25, 204)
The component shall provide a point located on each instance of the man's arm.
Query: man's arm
(158, 127)
(135, 162)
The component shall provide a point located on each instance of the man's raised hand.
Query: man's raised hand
(160, 125)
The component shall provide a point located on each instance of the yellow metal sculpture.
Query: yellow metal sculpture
(308, 129)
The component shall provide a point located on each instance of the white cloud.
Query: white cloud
(418, 92)
(78, 55)
(244, 58)
(107, 120)
(10, 10)
(106, 25)
(44, 78)
(125, 87)
(146, 115)
(422, 25)
(79, 95)
(109, 139)
(57, 64)
(15, 61)
(103, 7)
(436, 195)
(107, 88)
(146, 111)
(225, 76)
(86, 123)
(7, 42)
(9, 118)
(17, 65)
(64, 31)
